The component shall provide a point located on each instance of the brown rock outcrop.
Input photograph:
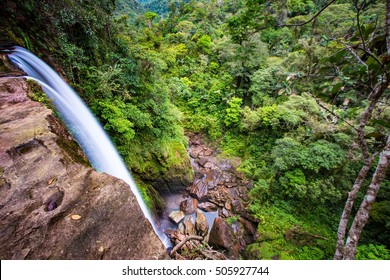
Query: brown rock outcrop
(189, 205)
(222, 237)
(52, 204)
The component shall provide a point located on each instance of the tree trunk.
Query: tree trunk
(349, 250)
(362, 215)
(341, 232)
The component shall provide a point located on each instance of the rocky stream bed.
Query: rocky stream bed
(211, 213)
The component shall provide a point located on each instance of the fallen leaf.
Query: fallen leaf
(76, 217)
(51, 181)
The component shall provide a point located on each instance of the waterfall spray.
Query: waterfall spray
(80, 121)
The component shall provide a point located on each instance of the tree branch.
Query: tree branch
(349, 48)
(358, 23)
(329, 111)
(183, 242)
(310, 20)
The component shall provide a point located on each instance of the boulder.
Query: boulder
(194, 152)
(222, 237)
(53, 205)
(221, 234)
(177, 216)
(202, 161)
(207, 152)
(189, 205)
(189, 227)
(201, 224)
(250, 230)
(208, 206)
(199, 189)
(237, 206)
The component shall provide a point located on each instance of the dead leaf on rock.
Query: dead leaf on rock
(51, 181)
(76, 217)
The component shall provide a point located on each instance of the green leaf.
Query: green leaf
(373, 64)
(337, 56)
(336, 87)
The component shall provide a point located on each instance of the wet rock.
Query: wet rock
(189, 227)
(201, 224)
(177, 216)
(237, 206)
(218, 196)
(240, 175)
(222, 237)
(224, 213)
(34, 149)
(194, 153)
(245, 197)
(251, 234)
(226, 165)
(202, 161)
(228, 205)
(249, 217)
(199, 189)
(208, 206)
(213, 177)
(189, 205)
(242, 190)
(207, 152)
(230, 185)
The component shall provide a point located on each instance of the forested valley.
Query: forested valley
(297, 90)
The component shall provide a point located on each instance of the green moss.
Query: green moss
(152, 199)
(232, 219)
(36, 93)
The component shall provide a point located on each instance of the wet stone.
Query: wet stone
(189, 205)
(177, 216)
(208, 206)
(199, 189)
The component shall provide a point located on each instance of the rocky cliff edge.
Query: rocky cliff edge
(52, 204)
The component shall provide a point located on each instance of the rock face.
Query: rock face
(222, 236)
(52, 204)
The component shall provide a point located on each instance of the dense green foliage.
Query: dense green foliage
(270, 96)
(284, 99)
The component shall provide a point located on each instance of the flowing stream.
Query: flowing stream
(81, 123)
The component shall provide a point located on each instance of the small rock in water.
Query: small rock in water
(201, 223)
(177, 216)
(189, 227)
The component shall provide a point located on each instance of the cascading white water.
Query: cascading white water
(81, 123)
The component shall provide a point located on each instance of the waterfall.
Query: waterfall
(81, 123)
